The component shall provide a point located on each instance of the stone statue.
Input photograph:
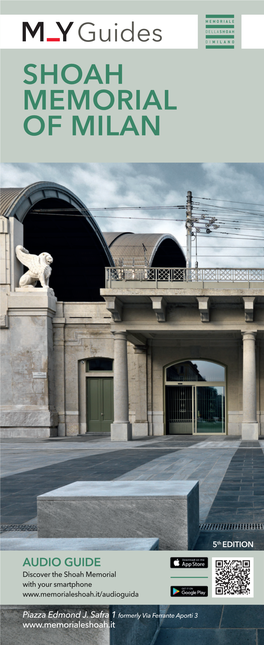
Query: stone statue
(38, 266)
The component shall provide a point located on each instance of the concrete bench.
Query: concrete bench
(123, 509)
(79, 544)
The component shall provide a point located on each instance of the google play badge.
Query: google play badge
(180, 592)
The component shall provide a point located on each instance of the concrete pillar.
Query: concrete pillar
(249, 424)
(59, 366)
(140, 425)
(121, 429)
(27, 354)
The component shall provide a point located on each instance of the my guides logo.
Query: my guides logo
(99, 32)
(38, 30)
(89, 32)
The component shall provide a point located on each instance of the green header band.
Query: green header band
(220, 27)
(219, 16)
(220, 47)
(218, 37)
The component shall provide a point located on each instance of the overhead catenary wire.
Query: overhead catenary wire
(154, 219)
(231, 228)
(229, 201)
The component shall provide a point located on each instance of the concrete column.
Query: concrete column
(140, 425)
(121, 429)
(59, 367)
(249, 424)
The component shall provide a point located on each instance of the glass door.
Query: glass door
(210, 409)
(179, 406)
(195, 397)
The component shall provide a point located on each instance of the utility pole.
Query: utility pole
(189, 225)
(205, 225)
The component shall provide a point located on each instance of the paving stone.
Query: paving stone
(260, 637)
(207, 616)
(233, 475)
(245, 616)
(28, 485)
(206, 637)
(206, 539)
(244, 507)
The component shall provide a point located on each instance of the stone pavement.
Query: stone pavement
(214, 625)
(230, 474)
(206, 461)
(231, 478)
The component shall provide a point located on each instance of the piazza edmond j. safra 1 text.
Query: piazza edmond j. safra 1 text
(93, 101)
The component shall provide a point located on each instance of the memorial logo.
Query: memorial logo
(220, 31)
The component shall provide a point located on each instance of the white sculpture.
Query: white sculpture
(38, 266)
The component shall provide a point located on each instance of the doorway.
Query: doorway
(195, 398)
(99, 399)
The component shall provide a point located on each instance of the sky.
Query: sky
(234, 196)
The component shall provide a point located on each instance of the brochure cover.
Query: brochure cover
(132, 295)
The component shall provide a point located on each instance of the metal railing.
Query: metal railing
(155, 274)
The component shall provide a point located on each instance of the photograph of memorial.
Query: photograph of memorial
(132, 340)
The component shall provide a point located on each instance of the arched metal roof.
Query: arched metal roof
(8, 196)
(111, 237)
(137, 248)
(17, 202)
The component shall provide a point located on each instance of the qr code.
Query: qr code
(232, 577)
